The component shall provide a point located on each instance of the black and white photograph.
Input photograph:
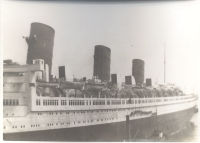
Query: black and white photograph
(100, 70)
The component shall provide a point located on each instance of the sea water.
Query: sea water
(189, 133)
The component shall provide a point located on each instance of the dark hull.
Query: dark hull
(140, 129)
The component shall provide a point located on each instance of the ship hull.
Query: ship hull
(139, 129)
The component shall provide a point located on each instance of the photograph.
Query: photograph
(100, 70)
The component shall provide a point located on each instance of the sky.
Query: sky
(130, 29)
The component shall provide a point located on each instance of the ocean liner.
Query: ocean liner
(37, 106)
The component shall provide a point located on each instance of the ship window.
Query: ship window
(10, 102)
(16, 102)
(31, 84)
(13, 102)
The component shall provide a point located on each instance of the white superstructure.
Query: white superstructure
(26, 110)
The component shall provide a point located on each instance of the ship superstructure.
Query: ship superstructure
(31, 103)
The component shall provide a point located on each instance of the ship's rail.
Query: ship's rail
(72, 103)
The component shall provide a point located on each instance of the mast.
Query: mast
(164, 63)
